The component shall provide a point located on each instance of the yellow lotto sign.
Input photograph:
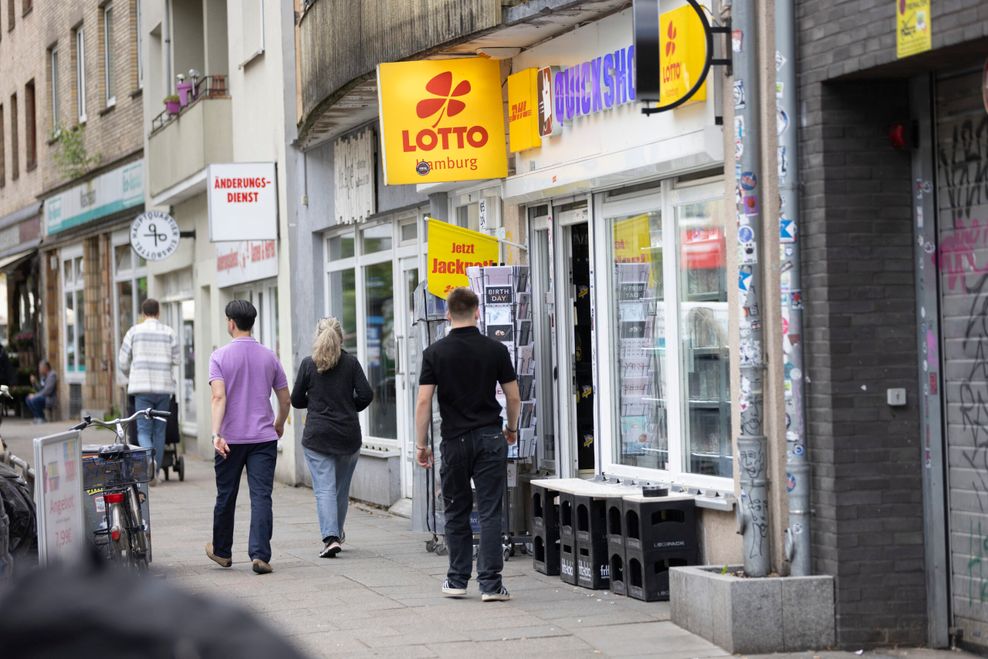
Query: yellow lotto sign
(682, 52)
(452, 250)
(912, 27)
(441, 120)
(523, 111)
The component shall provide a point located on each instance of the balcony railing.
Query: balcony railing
(208, 87)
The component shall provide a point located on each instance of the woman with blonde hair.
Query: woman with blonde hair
(332, 386)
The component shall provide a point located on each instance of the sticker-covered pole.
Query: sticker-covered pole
(753, 506)
(797, 545)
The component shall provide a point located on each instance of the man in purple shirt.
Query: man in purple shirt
(242, 375)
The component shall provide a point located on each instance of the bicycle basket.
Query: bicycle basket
(132, 465)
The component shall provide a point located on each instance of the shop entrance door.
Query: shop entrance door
(544, 315)
(408, 368)
(575, 341)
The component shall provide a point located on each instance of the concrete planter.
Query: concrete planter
(753, 616)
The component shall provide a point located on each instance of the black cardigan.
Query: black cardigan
(333, 398)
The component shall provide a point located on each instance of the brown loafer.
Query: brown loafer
(262, 567)
(219, 560)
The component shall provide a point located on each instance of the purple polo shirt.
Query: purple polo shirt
(250, 371)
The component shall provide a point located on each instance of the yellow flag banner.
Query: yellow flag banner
(452, 250)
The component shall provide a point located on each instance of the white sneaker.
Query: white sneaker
(450, 591)
(501, 595)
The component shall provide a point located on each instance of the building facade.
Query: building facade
(24, 113)
(893, 155)
(591, 211)
(219, 61)
(92, 171)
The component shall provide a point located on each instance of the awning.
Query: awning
(10, 261)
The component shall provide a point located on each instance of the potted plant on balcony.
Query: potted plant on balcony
(172, 104)
(184, 90)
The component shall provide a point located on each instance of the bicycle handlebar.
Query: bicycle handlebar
(111, 424)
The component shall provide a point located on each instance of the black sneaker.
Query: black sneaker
(331, 549)
(500, 595)
(452, 591)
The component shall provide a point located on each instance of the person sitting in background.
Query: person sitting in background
(44, 396)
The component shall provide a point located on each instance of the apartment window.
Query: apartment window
(15, 169)
(30, 127)
(140, 44)
(3, 161)
(56, 117)
(80, 73)
(11, 12)
(26, 7)
(74, 307)
(110, 95)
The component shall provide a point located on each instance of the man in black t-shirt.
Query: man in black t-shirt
(466, 367)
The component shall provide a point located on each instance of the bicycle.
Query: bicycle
(113, 474)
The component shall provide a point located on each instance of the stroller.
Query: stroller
(172, 461)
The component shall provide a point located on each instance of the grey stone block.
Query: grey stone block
(754, 616)
(756, 605)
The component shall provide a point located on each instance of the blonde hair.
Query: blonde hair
(328, 344)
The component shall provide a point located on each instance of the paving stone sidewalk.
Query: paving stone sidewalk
(381, 596)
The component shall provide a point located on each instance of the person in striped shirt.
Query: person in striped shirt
(148, 357)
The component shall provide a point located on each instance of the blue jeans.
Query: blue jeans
(482, 455)
(259, 459)
(331, 476)
(36, 404)
(151, 432)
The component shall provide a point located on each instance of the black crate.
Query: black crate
(659, 526)
(567, 518)
(567, 561)
(648, 580)
(592, 566)
(590, 520)
(615, 524)
(545, 550)
(618, 570)
(545, 510)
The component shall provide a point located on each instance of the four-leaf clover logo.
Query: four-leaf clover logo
(671, 44)
(441, 87)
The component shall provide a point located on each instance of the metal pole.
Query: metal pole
(754, 503)
(797, 544)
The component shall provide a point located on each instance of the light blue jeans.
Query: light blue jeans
(151, 432)
(331, 476)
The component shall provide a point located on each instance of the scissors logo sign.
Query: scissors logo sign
(154, 235)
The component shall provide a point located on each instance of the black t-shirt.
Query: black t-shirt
(466, 367)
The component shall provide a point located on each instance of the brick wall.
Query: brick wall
(21, 63)
(860, 322)
(112, 131)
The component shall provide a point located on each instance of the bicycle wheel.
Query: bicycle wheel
(137, 539)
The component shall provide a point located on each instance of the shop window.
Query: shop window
(343, 305)
(341, 247)
(73, 298)
(130, 286)
(669, 328)
(376, 238)
(705, 380)
(380, 352)
(409, 231)
(640, 332)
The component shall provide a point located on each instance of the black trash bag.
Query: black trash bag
(18, 503)
(89, 612)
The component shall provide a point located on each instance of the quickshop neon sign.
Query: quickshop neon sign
(596, 85)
